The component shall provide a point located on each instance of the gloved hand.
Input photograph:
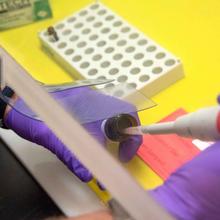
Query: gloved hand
(84, 103)
(192, 192)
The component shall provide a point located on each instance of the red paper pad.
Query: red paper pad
(165, 153)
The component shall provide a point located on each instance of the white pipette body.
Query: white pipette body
(203, 124)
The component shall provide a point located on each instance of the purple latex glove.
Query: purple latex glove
(83, 103)
(192, 192)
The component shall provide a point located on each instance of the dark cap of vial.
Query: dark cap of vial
(115, 126)
(51, 31)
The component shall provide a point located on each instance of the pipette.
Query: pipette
(203, 124)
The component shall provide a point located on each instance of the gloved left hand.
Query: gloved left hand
(85, 103)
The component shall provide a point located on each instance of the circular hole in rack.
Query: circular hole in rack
(93, 37)
(118, 56)
(78, 25)
(83, 13)
(133, 36)
(142, 42)
(121, 43)
(62, 45)
(84, 65)
(86, 31)
(105, 30)
(77, 58)
(113, 36)
(126, 63)
(109, 85)
(125, 29)
(101, 77)
(93, 72)
(97, 57)
(147, 63)
(118, 93)
(138, 56)
(132, 86)
(97, 24)
(69, 51)
(109, 49)
(151, 48)
(130, 49)
(66, 32)
(51, 39)
(157, 70)
(113, 71)
(74, 38)
(81, 44)
(71, 20)
(135, 70)
(90, 18)
(60, 26)
(102, 12)
(160, 55)
(109, 18)
(170, 62)
(89, 50)
(95, 6)
(144, 78)
(105, 64)
(101, 43)
(122, 78)
(117, 23)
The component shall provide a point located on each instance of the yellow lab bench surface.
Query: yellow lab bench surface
(189, 29)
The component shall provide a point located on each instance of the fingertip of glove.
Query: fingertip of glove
(84, 175)
(128, 148)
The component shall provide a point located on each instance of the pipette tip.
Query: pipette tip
(133, 131)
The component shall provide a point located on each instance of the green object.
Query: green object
(14, 13)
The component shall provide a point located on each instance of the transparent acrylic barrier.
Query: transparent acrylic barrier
(75, 84)
(88, 104)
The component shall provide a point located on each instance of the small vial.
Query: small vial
(114, 127)
(51, 31)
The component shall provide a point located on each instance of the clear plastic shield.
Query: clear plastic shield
(96, 105)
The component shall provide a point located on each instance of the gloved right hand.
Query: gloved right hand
(192, 192)
(85, 103)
